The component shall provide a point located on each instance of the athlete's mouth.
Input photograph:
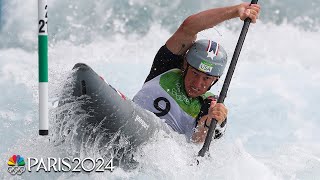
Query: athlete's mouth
(194, 89)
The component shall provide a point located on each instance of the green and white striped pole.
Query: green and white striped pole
(43, 67)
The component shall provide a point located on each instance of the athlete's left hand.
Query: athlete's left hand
(246, 10)
(217, 111)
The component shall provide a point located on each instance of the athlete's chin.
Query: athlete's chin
(193, 94)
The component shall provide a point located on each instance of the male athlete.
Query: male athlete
(183, 72)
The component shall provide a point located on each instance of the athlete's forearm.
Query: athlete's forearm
(186, 34)
(209, 18)
(201, 131)
(200, 134)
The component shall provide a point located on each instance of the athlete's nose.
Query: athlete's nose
(198, 82)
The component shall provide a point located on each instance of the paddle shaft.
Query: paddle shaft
(227, 81)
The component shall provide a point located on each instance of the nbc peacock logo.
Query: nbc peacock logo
(16, 165)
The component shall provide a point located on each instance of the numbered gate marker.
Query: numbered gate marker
(43, 67)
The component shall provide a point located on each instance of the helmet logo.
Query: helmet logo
(205, 66)
(212, 49)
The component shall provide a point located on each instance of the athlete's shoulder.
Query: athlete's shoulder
(209, 95)
(164, 61)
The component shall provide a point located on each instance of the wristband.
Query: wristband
(205, 124)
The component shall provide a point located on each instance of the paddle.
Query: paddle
(227, 81)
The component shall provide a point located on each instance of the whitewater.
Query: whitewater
(273, 122)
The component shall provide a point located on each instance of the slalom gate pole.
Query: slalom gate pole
(43, 67)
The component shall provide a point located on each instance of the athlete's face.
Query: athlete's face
(197, 83)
